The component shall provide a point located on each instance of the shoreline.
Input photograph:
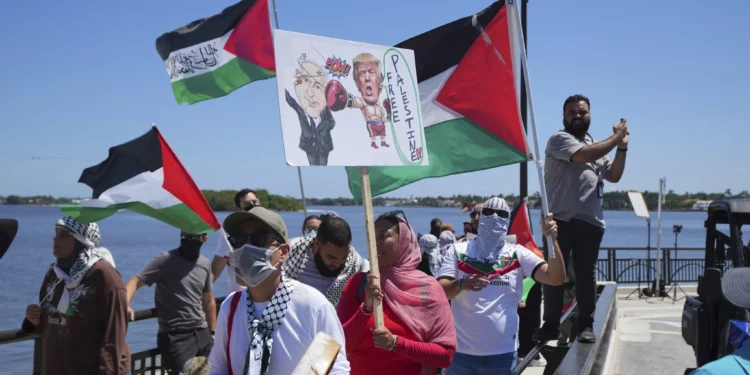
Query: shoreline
(352, 205)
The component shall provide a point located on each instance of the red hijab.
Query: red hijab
(417, 298)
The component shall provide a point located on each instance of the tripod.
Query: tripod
(640, 267)
(676, 229)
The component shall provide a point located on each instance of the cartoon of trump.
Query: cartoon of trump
(368, 78)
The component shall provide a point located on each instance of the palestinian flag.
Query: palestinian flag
(214, 56)
(468, 100)
(520, 226)
(145, 176)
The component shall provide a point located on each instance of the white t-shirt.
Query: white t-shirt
(308, 312)
(487, 321)
(224, 250)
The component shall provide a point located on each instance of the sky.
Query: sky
(82, 76)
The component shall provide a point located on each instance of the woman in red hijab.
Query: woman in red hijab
(419, 336)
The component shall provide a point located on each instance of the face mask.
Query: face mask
(252, 264)
(492, 230)
(190, 249)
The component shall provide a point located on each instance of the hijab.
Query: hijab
(416, 298)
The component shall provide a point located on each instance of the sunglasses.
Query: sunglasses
(257, 238)
(250, 206)
(192, 236)
(501, 213)
(396, 213)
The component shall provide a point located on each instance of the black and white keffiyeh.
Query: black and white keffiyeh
(87, 234)
(261, 330)
(301, 249)
(492, 230)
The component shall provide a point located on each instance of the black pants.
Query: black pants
(177, 348)
(583, 239)
(529, 319)
(318, 158)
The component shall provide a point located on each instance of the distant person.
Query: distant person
(435, 227)
(575, 169)
(244, 200)
(484, 281)
(310, 225)
(431, 258)
(734, 286)
(446, 227)
(326, 260)
(268, 327)
(185, 305)
(467, 229)
(83, 313)
(419, 335)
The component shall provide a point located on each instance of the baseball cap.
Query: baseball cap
(233, 222)
(736, 286)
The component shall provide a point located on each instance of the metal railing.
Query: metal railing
(141, 363)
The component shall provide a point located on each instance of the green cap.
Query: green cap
(233, 222)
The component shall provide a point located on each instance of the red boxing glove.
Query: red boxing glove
(336, 96)
(387, 106)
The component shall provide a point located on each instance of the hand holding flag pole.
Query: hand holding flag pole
(517, 33)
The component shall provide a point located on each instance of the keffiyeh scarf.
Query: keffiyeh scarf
(492, 230)
(301, 249)
(261, 330)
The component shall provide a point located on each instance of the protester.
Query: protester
(574, 172)
(447, 227)
(735, 285)
(326, 260)
(82, 314)
(446, 238)
(267, 327)
(435, 225)
(467, 230)
(310, 225)
(185, 305)
(484, 280)
(419, 335)
(244, 200)
(430, 251)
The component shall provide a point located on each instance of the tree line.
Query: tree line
(223, 200)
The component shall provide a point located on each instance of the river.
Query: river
(135, 239)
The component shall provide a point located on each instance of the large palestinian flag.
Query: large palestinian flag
(214, 56)
(468, 99)
(145, 176)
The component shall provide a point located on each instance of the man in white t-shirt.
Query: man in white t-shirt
(483, 278)
(244, 200)
(268, 327)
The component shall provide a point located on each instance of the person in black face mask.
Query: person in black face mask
(184, 301)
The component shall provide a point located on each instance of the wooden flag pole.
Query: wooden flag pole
(372, 251)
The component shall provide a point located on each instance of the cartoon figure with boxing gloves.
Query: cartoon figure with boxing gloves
(367, 78)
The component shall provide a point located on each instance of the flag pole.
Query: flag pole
(299, 170)
(517, 33)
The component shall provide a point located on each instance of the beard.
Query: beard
(324, 270)
(578, 127)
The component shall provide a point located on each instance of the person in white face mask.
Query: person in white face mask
(484, 280)
(266, 328)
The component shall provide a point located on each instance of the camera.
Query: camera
(677, 229)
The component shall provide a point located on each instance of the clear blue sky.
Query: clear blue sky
(81, 76)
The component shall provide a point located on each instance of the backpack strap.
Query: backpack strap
(232, 309)
(362, 285)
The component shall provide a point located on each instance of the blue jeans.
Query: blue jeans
(499, 364)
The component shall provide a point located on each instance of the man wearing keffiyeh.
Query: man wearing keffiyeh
(325, 260)
(484, 280)
(82, 311)
(266, 328)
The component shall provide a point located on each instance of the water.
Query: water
(135, 239)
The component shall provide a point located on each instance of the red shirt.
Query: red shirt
(407, 357)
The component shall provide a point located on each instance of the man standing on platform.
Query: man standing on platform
(574, 172)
